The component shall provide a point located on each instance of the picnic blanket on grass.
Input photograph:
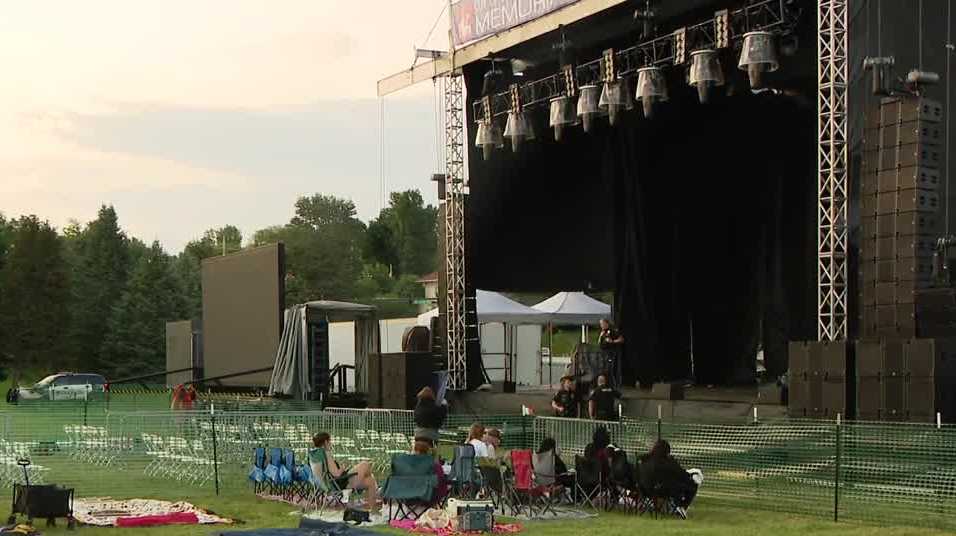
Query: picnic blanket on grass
(409, 525)
(108, 512)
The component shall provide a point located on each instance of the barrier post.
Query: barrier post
(836, 473)
(215, 451)
(659, 435)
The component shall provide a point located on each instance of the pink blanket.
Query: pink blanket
(174, 518)
(409, 525)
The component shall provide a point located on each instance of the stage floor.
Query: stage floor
(700, 403)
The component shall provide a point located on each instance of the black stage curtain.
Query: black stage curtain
(702, 222)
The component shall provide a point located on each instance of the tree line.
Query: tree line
(91, 297)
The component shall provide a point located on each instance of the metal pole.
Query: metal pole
(659, 434)
(215, 451)
(550, 353)
(836, 474)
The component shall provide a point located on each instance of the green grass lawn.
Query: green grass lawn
(705, 519)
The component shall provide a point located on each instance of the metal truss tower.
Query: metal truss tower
(832, 170)
(456, 319)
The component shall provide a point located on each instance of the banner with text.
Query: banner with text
(474, 19)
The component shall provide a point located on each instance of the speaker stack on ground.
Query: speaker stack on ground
(904, 355)
(818, 386)
(905, 379)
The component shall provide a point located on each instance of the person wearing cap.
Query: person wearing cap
(565, 401)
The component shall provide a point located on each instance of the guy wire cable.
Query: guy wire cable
(949, 92)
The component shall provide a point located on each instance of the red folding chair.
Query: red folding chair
(523, 491)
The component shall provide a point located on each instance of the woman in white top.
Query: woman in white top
(475, 435)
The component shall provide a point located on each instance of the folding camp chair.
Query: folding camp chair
(622, 486)
(325, 488)
(465, 479)
(589, 480)
(522, 490)
(493, 486)
(272, 470)
(411, 486)
(257, 473)
(545, 475)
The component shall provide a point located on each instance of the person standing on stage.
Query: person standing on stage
(611, 341)
(601, 405)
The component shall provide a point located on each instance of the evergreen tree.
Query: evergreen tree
(102, 264)
(136, 340)
(34, 296)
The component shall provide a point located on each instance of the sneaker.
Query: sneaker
(681, 511)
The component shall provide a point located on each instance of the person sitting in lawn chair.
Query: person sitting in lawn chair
(662, 478)
(357, 478)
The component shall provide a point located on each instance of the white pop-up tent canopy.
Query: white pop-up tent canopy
(573, 309)
(516, 336)
(495, 307)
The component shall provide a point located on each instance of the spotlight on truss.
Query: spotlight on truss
(651, 88)
(588, 105)
(562, 114)
(615, 98)
(758, 56)
(705, 73)
(488, 138)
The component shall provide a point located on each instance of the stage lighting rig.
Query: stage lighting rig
(562, 108)
(589, 97)
(489, 135)
(518, 127)
(758, 56)
(705, 72)
(651, 88)
(756, 27)
(615, 98)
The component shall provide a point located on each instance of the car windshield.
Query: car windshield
(45, 382)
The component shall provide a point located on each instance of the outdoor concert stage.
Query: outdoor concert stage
(704, 220)
(699, 403)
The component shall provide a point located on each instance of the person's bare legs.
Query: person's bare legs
(364, 479)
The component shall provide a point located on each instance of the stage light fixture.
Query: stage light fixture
(705, 72)
(563, 114)
(758, 56)
(651, 88)
(488, 138)
(615, 98)
(518, 129)
(588, 105)
(492, 79)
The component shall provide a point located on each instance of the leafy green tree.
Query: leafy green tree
(404, 235)
(413, 227)
(323, 244)
(6, 238)
(409, 288)
(101, 259)
(34, 295)
(137, 326)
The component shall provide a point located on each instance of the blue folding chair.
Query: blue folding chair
(257, 473)
(273, 478)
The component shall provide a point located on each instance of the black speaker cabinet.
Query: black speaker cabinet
(395, 379)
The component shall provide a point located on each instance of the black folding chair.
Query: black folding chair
(589, 481)
(493, 487)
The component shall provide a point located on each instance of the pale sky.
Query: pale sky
(192, 114)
